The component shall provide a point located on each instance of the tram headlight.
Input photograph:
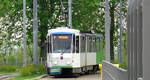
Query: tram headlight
(55, 62)
(68, 63)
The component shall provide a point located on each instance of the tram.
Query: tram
(72, 51)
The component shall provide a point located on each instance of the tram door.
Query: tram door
(83, 50)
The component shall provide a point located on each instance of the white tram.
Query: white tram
(71, 51)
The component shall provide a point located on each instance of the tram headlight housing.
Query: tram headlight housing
(68, 63)
(55, 62)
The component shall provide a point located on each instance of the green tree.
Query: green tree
(87, 15)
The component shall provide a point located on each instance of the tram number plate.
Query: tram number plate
(55, 70)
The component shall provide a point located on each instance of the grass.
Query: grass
(125, 61)
(99, 57)
(25, 77)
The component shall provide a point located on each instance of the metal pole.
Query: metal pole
(24, 30)
(70, 12)
(128, 2)
(146, 33)
(121, 61)
(35, 32)
(66, 17)
(6, 46)
(107, 31)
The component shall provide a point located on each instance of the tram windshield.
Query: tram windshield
(62, 43)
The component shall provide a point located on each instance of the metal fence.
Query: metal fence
(138, 31)
(146, 39)
(110, 72)
(134, 42)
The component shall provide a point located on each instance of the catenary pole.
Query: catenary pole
(121, 32)
(107, 31)
(35, 32)
(24, 31)
(70, 12)
(6, 50)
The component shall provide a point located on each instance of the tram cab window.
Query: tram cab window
(62, 43)
(77, 44)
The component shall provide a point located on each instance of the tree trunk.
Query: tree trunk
(42, 47)
(42, 41)
(112, 9)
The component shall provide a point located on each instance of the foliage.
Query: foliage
(8, 68)
(87, 15)
(41, 68)
(32, 69)
(28, 70)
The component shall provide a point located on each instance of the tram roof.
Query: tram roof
(55, 33)
(66, 30)
(63, 30)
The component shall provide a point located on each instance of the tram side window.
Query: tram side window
(97, 44)
(89, 44)
(77, 44)
(94, 45)
(83, 44)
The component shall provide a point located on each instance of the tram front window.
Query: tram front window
(62, 43)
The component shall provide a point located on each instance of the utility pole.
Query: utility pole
(121, 32)
(107, 31)
(70, 12)
(6, 50)
(24, 31)
(65, 13)
(35, 32)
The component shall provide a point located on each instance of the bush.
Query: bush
(28, 70)
(41, 68)
(31, 69)
(7, 68)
